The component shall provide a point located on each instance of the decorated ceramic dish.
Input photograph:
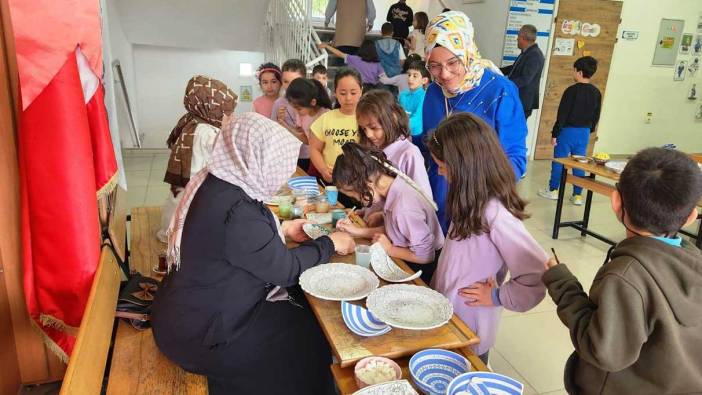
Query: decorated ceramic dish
(315, 231)
(338, 281)
(386, 268)
(410, 306)
(398, 387)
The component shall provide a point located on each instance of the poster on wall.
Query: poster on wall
(563, 46)
(685, 43)
(527, 12)
(680, 70)
(246, 93)
(693, 67)
(697, 45)
(667, 42)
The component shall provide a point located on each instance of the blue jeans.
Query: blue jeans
(570, 141)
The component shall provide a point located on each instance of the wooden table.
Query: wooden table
(603, 188)
(398, 344)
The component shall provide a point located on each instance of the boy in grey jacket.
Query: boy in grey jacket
(640, 329)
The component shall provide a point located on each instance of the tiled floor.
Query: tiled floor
(531, 347)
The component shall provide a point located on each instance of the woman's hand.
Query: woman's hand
(554, 141)
(383, 240)
(375, 220)
(343, 243)
(345, 225)
(479, 293)
(293, 230)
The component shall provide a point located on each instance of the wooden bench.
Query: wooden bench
(86, 366)
(138, 367)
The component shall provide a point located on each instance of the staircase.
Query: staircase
(289, 34)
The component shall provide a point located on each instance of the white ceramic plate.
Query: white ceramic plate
(397, 387)
(616, 166)
(315, 231)
(338, 281)
(386, 268)
(320, 218)
(409, 306)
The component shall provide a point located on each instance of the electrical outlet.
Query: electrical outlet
(648, 118)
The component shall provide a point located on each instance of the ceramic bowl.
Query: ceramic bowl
(365, 361)
(432, 370)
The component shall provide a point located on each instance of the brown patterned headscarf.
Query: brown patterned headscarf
(206, 100)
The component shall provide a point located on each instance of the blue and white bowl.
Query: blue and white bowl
(304, 183)
(361, 322)
(485, 383)
(433, 369)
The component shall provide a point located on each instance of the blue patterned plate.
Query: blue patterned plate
(361, 322)
(484, 383)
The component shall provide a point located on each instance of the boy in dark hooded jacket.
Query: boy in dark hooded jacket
(640, 329)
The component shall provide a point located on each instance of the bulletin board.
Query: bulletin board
(582, 28)
(668, 41)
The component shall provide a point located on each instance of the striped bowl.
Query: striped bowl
(433, 369)
(485, 383)
(361, 322)
(304, 182)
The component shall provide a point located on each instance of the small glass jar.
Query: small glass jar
(321, 204)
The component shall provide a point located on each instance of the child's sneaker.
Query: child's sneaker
(577, 200)
(549, 194)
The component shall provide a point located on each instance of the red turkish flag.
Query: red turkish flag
(66, 160)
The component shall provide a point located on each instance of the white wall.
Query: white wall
(489, 20)
(202, 24)
(118, 48)
(162, 74)
(635, 87)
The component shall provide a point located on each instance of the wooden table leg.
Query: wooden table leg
(559, 203)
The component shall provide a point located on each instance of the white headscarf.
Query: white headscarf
(251, 152)
(454, 31)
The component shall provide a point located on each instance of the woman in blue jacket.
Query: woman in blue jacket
(464, 82)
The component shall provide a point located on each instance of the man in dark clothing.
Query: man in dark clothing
(640, 329)
(401, 16)
(525, 72)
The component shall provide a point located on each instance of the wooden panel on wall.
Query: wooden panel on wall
(36, 364)
(605, 13)
(10, 377)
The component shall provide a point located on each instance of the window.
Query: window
(317, 9)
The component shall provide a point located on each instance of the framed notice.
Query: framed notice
(521, 12)
(563, 46)
(668, 41)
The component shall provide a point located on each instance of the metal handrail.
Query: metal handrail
(290, 34)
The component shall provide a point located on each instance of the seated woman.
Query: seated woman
(223, 310)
